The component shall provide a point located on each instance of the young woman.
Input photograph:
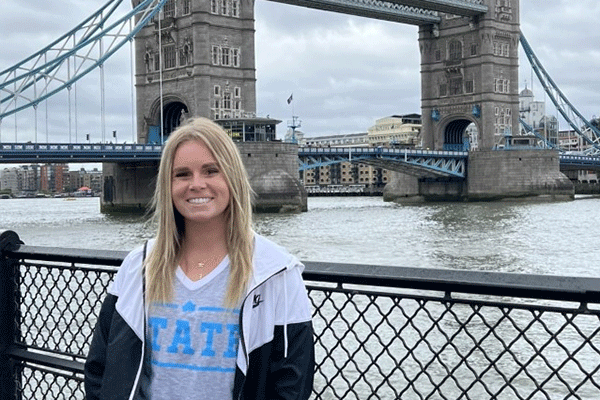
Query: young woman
(208, 309)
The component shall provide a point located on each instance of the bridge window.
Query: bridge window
(455, 86)
(438, 55)
(502, 120)
(216, 51)
(217, 90)
(455, 51)
(227, 101)
(224, 7)
(214, 6)
(236, 91)
(501, 85)
(501, 49)
(224, 55)
(235, 56)
(235, 8)
(187, 7)
(473, 49)
(169, 9)
(169, 56)
(469, 86)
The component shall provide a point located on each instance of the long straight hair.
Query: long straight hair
(162, 260)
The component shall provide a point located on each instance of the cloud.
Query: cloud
(345, 71)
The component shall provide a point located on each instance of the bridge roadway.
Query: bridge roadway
(416, 162)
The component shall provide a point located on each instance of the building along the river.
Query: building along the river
(393, 131)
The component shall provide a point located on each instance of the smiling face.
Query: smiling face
(198, 186)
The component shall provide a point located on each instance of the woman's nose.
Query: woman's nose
(198, 181)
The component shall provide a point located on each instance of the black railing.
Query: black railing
(380, 332)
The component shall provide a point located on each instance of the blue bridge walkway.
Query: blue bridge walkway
(421, 163)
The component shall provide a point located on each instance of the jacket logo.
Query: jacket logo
(256, 300)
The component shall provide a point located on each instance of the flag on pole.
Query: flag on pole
(289, 100)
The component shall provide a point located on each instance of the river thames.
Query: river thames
(557, 238)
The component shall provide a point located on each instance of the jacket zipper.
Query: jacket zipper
(242, 341)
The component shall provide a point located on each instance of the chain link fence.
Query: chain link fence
(380, 332)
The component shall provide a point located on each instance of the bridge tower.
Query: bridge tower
(196, 59)
(199, 54)
(469, 74)
(469, 78)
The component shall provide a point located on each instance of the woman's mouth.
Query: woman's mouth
(199, 200)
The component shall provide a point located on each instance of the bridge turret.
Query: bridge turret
(469, 70)
(195, 59)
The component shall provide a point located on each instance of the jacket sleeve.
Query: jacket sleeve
(282, 367)
(292, 376)
(291, 366)
(96, 359)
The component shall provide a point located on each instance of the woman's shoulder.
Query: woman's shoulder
(131, 267)
(270, 257)
(266, 247)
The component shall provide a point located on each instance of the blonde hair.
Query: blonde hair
(161, 261)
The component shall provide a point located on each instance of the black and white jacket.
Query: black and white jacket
(276, 350)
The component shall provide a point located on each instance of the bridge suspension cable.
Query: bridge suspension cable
(75, 54)
(580, 125)
(542, 141)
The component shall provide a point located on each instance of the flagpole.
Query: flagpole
(294, 123)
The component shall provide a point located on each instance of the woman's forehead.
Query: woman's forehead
(193, 151)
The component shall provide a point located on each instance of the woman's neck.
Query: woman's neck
(204, 245)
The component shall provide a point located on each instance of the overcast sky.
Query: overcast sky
(344, 72)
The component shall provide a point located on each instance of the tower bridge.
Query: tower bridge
(419, 163)
(196, 58)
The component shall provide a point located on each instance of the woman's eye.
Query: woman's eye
(181, 174)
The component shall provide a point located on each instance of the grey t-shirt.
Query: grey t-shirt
(194, 339)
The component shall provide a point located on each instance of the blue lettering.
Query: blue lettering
(210, 328)
(182, 336)
(156, 324)
(234, 332)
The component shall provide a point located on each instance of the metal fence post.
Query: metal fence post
(9, 241)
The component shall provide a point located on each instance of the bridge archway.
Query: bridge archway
(174, 112)
(457, 137)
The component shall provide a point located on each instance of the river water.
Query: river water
(544, 238)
